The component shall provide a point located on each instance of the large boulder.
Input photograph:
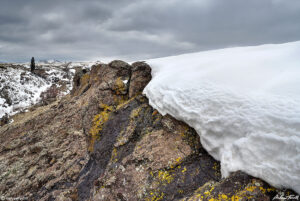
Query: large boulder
(140, 76)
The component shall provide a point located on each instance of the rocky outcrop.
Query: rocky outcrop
(105, 142)
(4, 120)
(140, 77)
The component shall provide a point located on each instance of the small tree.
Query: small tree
(32, 65)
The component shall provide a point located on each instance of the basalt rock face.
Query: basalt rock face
(105, 142)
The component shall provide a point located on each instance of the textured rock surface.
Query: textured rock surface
(104, 142)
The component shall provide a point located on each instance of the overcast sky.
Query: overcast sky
(139, 29)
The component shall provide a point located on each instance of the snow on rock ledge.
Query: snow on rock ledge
(244, 103)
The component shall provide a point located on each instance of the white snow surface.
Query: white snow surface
(21, 87)
(243, 102)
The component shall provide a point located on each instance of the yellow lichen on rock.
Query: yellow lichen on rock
(119, 86)
(135, 112)
(120, 99)
(256, 187)
(165, 176)
(123, 102)
(250, 192)
(85, 79)
(114, 155)
(126, 133)
(83, 85)
(155, 196)
(162, 177)
(98, 123)
(175, 163)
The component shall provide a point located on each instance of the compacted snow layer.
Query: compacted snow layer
(244, 103)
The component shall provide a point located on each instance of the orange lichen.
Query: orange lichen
(154, 113)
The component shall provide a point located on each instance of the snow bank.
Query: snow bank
(244, 103)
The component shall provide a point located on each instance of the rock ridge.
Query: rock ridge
(104, 141)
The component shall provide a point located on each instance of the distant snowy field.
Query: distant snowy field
(20, 89)
(244, 103)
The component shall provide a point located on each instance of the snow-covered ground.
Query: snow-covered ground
(244, 103)
(20, 89)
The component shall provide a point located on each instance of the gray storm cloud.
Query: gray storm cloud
(140, 29)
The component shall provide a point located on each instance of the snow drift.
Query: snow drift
(244, 103)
